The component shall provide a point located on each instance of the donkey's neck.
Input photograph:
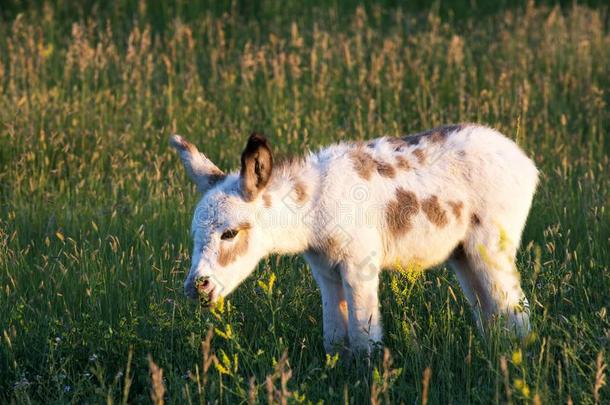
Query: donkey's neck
(290, 201)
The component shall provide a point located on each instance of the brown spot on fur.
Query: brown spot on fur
(267, 202)
(420, 155)
(402, 163)
(363, 163)
(456, 207)
(328, 247)
(187, 145)
(475, 220)
(343, 307)
(399, 212)
(433, 210)
(182, 144)
(437, 137)
(397, 143)
(230, 251)
(300, 191)
(331, 247)
(385, 169)
(216, 177)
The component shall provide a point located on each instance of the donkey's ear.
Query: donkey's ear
(256, 166)
(200, 169)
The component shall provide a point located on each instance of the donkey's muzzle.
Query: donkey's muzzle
(202, 289)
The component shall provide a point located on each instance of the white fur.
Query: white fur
(474, 165)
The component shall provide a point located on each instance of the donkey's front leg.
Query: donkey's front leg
(334, 315)
(334, 306)
(361, 284)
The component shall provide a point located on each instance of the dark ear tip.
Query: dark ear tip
(256, 139)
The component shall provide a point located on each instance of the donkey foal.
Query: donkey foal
(459, 193)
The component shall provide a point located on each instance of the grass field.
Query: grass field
(95, 209)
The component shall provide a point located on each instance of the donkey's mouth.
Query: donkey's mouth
(201, 290)
(205, 292)
(206, 299)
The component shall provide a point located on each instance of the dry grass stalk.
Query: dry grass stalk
(283, 373)
(600, 376)
(128, 379)
(425, 382)
(385, 380)
(504, 369)
(209, 358)
(156, 376)
(252, 391)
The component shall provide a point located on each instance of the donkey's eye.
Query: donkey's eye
(229, 234)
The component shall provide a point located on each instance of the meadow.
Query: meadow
(95, 208)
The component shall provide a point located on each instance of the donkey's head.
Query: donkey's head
(228, 240)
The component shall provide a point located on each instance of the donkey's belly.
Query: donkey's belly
(425, 246)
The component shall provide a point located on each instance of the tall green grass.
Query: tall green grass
(95, 210)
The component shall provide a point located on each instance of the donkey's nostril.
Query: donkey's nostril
(203, 284)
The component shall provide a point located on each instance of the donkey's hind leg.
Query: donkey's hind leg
(471, 285)
(485, 266)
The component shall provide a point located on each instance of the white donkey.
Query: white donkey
(459, 193)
